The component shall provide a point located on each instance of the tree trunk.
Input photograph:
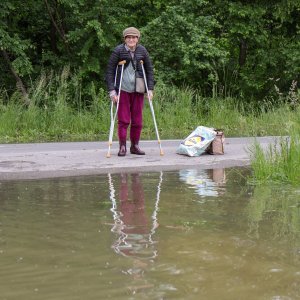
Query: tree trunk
(243, 52)
(19, 83)
(53, 40)
(59, 29)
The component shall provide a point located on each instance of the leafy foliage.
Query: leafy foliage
(223, 48)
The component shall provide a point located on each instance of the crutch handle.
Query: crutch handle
(122, 62)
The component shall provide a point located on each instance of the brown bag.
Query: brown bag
(216, 147)
(140, 85)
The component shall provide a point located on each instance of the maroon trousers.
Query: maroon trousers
(130, 112)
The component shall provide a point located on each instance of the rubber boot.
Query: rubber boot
(122, 151)
(135, 149)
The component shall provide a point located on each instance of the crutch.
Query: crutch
(151, 108)
(112, 116)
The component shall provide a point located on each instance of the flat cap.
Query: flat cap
(131, 31)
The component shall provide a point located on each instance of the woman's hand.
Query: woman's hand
(113, 96)
(150, 95)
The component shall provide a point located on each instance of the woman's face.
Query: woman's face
(131, 41)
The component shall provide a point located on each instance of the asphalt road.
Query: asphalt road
(48, 160)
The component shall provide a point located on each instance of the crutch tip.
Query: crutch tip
(161, 153)
(108, 155)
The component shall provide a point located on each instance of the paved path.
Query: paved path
(45, 160)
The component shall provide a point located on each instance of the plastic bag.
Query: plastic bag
(197, 142)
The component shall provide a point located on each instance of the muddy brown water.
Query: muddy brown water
(189, 234)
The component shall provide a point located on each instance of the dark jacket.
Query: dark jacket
(119, 54)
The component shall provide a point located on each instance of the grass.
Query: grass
(55, 112)
(279, 163)
(59, 111)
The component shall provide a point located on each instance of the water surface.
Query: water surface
(189, 234)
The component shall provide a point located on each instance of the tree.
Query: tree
(14, 47)
(185, 43)
(222, 47)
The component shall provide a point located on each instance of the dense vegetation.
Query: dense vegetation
(279, 163)
(49, 116)
(228, 64)
(244, 49)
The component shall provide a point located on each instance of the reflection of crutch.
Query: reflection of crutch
(112, 116)
(119, 225)
(156, 209)
(151, 108)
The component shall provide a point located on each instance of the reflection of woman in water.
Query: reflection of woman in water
(133, 227)
(133, 217)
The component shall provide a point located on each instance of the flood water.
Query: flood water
(190, 234)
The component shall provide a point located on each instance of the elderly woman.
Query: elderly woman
(131, 100)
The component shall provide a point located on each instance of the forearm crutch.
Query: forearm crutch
(151, 108)
(112, 116)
